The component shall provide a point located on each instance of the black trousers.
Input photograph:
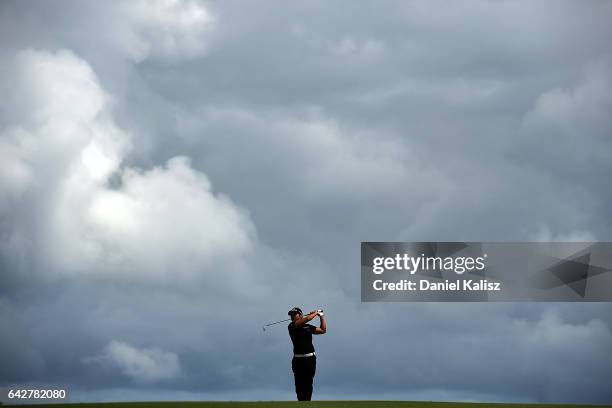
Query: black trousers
(304, 371)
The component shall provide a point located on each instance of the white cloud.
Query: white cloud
(58, 85)
(165, 219)
(369, 48)
(544, 234)
(15, 175)
(568, 111)
(557, 345)
(551, 334)
(164, 223)
(330, 160)
(163, 28)
(142, 365)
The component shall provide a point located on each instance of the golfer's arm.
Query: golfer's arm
(322, 329)
(305, 319)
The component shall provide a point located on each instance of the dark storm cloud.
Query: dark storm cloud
(323, 126)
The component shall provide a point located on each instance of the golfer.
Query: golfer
(304, 361)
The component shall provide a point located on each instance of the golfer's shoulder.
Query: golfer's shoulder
(293, 327)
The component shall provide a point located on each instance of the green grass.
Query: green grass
(313, 404)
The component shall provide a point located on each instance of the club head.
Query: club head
(264, 328)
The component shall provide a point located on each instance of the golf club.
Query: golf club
(281, 321)
(271, 324)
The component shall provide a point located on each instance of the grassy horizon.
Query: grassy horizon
(314, 404)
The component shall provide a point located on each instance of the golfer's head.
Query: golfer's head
(295, 313)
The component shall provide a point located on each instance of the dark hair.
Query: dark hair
(294, 311)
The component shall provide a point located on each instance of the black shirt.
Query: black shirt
(301, 338)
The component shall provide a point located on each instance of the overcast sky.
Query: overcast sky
(174, 174)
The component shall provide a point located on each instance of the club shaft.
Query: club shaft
(280, 321)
